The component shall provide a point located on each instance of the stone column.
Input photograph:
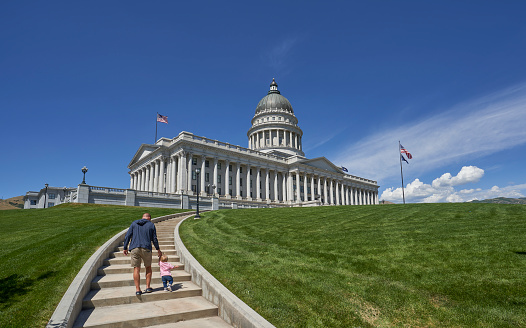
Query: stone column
(337, 191)
(331, 191)
(238, 181)
(181, 183)
(161, 176)
(189, 174)
(148, 178)
(267, 182)
(202, 189)
(155, 176)
(276, 187)
(342, 194)
(312, 193)
(248, 182)
(305, 187)
(227, 179)
(283, 187)
(258, 184)
(360, 196)
(215, 178)
(298, 184)
(173, 176)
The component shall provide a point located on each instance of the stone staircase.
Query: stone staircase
(112, 301)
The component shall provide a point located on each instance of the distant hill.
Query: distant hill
(502, 200)
(14, 203)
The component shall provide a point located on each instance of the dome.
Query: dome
(274, 100)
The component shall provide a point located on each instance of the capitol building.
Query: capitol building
(272, 170)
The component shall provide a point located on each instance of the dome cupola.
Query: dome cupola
(274, 126)
(274, 101)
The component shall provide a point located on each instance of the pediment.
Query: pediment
(144, 151)
(323, 163)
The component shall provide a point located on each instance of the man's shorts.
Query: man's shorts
(141, 253)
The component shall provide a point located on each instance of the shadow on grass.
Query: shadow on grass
(17, 285)
(520, 253)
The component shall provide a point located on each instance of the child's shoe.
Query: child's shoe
(169, 288)
(166, 289)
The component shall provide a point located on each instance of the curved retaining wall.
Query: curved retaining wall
(231, 309)
(71, 303)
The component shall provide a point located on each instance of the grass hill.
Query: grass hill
(45, 249)
(502, 200)
(13, 203)
(415, 265)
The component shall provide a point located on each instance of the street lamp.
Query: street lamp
(84, 170)
(45, 195)
(197, 171)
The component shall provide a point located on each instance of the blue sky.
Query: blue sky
(81, 82)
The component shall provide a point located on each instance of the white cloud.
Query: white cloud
(468, 174)
(492, 124)
(442, 189)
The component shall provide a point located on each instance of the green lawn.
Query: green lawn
(45, 249)
(415, 265)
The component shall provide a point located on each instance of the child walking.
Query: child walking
(166, 275)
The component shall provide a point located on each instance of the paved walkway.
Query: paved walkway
(112, 301)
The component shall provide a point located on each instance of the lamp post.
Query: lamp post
(84, 170)
(45, 195)
(197, 171)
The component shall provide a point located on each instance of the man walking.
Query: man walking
(141, 233)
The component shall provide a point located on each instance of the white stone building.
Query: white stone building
(272, 171)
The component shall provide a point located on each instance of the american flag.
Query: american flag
(162, 119)
(404, 151)
(403, 158)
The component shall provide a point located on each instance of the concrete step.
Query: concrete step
(126, 260)
(126, 295)
(168, 252)
(126, 279)
(162, 247)
(148, 313)
(127, 268)
(212, 322)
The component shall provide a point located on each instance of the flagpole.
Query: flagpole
(156, 128)
(401, 172)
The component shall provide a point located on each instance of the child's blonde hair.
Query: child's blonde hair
(164, 258)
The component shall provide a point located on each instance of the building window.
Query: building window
(230, 192)
(301, 188)
(219, 191)
(316, 191)
(50, 204)
(315, 180)
(230, 167)
(219, 166)
(301, 178)
(194, 161)
(308, 190)
(194, 188)
(33, 202)
(207, 164)
(240, 182)
(207, 177)
(250, 171)
(273, 118)
(294, 177)
(240, 169)
(250, 183)
(219, 178)
(229, 181)
(193, 175)
(279, 118)
(51, 196)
